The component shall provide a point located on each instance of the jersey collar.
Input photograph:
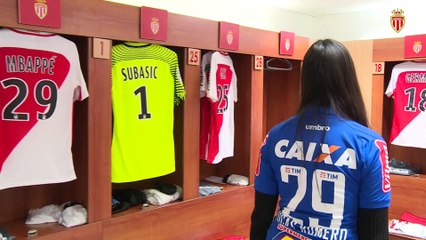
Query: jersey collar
(137, 44)
(33, 33)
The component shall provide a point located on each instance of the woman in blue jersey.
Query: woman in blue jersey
(328, 170)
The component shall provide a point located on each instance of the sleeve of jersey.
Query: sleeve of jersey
(264, 181)
(234, 79)
(114, 56)
(80, 92)
(179, 88)
(211, 84)
(392, 83)
(375, 190)
(203, 81)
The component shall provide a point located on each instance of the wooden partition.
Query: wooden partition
(99, 138)
(362, 55)
(408, 192)
(257, 115)
(193, 217)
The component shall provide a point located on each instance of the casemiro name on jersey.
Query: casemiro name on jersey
(139, 72)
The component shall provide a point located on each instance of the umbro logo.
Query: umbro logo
(317, 127)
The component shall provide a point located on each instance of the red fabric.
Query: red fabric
(205, 126)
(409, 217)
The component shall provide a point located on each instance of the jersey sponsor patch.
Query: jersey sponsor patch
(288, 234)
(384, 158)
(327, 154)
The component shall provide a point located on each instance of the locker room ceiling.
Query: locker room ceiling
(329, 7)
(307, 7)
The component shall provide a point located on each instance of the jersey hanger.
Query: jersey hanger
(269, 64)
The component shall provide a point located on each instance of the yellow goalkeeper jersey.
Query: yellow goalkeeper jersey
(146, 85)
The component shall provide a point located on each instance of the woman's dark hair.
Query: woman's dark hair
(329, 80)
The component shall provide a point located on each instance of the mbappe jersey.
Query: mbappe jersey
(324, 168)
(146, 84)
(221, 92)
(407, 87)
(40, 78)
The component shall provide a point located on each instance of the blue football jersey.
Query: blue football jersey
(324, 169)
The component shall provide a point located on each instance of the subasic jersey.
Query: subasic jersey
(221, 92)
(321, 186)
(40, 78)
(407, 87)
(146, 84)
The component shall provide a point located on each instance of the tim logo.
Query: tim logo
(292, 170)
(381, 145)
(327, 175)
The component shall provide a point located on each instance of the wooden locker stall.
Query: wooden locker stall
(89, 133)
(175, 177)
(193, 217)
(408, 192)
(282, 87)
(32, 197)
(281, 92)
(253, 99)
(239, 163)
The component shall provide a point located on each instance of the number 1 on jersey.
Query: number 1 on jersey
(144, 105)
